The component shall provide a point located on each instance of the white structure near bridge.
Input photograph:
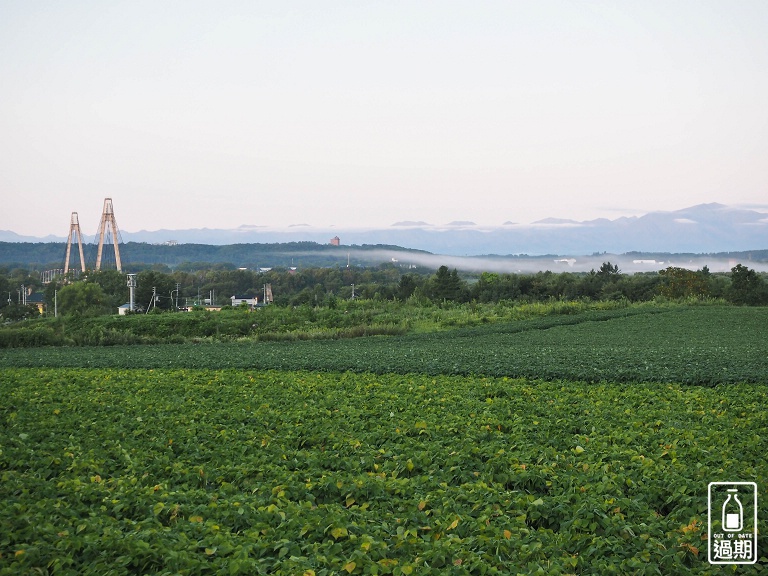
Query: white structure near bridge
(244, 300)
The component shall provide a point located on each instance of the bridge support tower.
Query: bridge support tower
(108, 224)
(74, 229)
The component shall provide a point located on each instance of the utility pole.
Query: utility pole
(131, 288)
(178, 285)
(353, 291)
(55, 303)
(154, 298)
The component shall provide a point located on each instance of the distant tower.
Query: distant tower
(74, 227)
(335, 241)
(108, 217)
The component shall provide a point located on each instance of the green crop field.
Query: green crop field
(574, 444)
(242, 472)
(700, 345)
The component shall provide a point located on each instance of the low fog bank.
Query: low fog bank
(627, 264)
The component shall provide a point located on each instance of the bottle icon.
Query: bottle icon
(733, 512)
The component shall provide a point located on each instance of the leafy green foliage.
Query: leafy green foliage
(15, 312)
(446, 285)
(82, 299)
(682, 283)
(747, 287)
(249, 472)
(698, 345)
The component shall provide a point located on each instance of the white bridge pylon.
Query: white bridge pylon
(108, 219)
(74, 228)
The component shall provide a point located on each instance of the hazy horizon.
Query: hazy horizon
(91, 232)
(349, 114)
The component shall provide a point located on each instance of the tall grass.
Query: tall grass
(347, 319)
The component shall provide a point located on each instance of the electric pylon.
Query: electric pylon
(108, 217)
(74, 228)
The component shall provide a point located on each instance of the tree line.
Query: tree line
(159, 289)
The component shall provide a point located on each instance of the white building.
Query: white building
(240, 300)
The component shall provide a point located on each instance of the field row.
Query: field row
(247, 472)
(700, 345)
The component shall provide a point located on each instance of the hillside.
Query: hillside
(304, 254)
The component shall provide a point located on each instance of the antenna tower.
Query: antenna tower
(108, 218)
(74, 227)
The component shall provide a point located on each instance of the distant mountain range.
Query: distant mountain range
(705, 228)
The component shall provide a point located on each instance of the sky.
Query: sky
(193, 114)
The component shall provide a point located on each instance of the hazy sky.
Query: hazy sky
(216, 114)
